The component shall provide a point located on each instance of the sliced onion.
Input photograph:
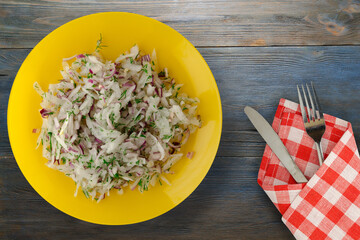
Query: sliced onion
(128, 84)
(187, 134)
(157, 92)
(111, 74)
(143, 146)
(133, 186)
(145, 58)
(72, 149)
(82, 149)
(69, 58)
(190, 155)
(45, 113)
(172, 150)
(173, 145)
(152, 80)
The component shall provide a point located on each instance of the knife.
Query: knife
(275, 143)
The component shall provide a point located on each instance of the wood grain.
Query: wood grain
(228, 204)
(23, 23)
(222, 207)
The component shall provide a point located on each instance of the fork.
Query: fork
(313, 118)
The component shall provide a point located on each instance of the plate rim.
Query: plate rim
(146, 18)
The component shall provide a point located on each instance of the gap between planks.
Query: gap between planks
(231, 46)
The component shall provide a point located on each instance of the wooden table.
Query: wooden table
(258, 52)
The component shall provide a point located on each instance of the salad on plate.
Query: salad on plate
(115, 124)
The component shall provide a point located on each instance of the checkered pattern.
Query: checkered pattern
(328, 206)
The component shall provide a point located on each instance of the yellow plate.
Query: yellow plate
(120, 31)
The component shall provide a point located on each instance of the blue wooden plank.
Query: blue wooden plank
(259, 77)
(228, 204)
(205, 23)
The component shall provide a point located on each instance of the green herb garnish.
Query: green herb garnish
(123, 95)
(161, 74)
(167, 137)
(86, 193)
(137, 118)
(144, 69)
(99, 44)
(112, 118)
(50, 134)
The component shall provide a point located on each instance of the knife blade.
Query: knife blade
(275, 143)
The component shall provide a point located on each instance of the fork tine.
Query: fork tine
(315, 127)
(318, 113)
(313, 110)
(307, 103)
(303, 112)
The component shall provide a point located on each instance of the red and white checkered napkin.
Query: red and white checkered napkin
(328, 206)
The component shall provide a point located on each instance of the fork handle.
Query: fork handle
(320, 153)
